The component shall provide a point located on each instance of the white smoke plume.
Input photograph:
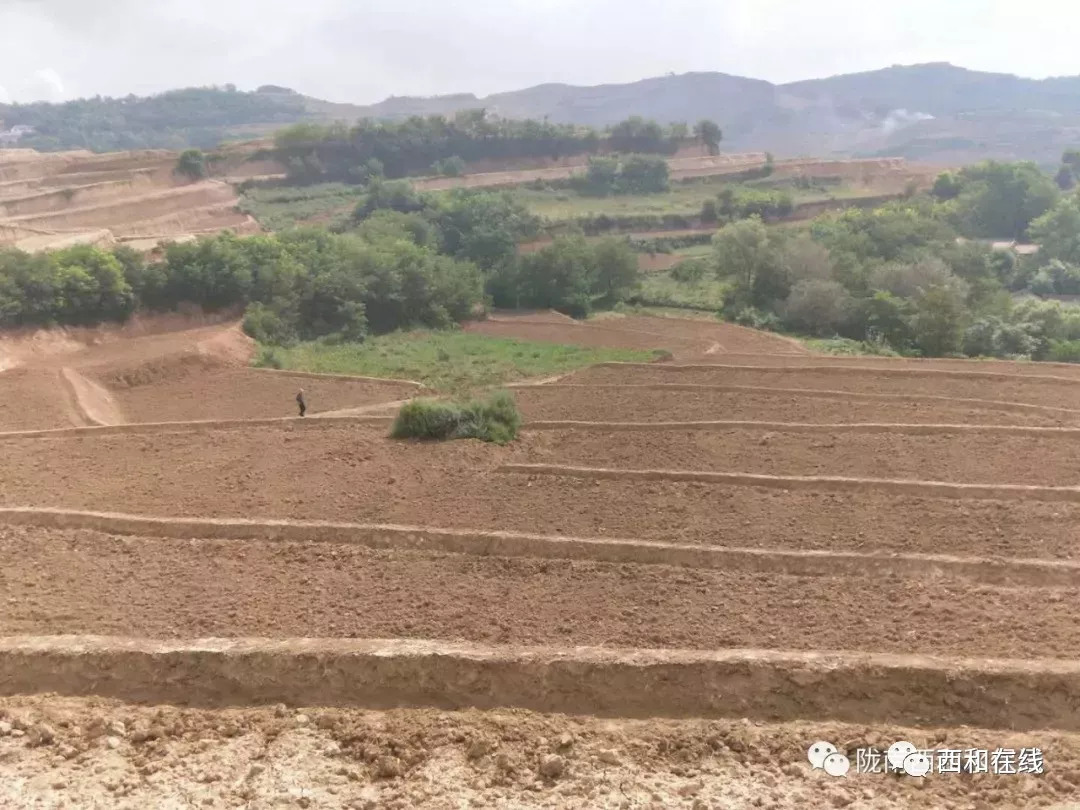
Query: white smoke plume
(902, 118)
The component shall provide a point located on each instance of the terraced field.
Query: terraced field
(54, 200)
(680, 576)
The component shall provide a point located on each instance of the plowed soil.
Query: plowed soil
(61, 752)
(35, 399)
(1022, 368)
(1059, 392)
(239, 393)
(172, 757)
(84, 582)
(624, 404)
(353, 474)
(962, 457)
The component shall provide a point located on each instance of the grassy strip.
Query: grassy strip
(444, 361)
(684, 197)
(661, 290)
(279, 207)
(847, 348)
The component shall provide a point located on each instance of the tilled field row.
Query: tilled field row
(352, 474)
(1013, 695)
(936, 489)
(85, 582)
(78, 469)
(1018, 367)
(1055, 391)
(1048, 458)
(996, 570)
(690, 402)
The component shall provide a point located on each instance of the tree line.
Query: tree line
(199, 117)
(438, 144)
(407, 261)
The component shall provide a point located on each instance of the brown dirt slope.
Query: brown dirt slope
(48, 201)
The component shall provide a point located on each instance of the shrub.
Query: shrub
(192, 164)
(495, 419)
(268, 358)
(690, 271)
(452, 166)
(1064, 351)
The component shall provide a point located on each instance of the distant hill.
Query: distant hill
(933, 112)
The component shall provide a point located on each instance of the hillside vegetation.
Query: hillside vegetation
(916, 276)
(199, 117)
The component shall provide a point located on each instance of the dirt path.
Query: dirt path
(94, 404)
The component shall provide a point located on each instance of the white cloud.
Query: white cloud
(5, 97)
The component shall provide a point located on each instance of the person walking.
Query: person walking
(300, 402)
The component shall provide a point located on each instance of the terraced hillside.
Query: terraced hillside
(680, 576)
(51, 200)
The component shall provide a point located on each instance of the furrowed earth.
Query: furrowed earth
(679, 577)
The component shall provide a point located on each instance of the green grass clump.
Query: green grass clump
(494, 419)
(445, 361)
(846, 347)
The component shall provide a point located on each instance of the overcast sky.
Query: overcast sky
(364, 50)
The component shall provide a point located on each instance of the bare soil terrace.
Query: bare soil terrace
(1060, 392)
(589, 403)
(240, 393)
(354, 474)
(84, 582)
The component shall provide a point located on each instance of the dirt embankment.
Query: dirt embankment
(51, 201)
(345, 758)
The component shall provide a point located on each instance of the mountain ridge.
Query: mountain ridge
(934, 112)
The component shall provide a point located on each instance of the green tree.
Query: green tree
(1000, 200)
(641, 174)
(817, 307)
(561, 276)
(939, 321)
(617, 272)
(192, 164)
(482, 226)
(1058, 231)
(709, 134)
(947, 186)
(93, 286)
(745, 253)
